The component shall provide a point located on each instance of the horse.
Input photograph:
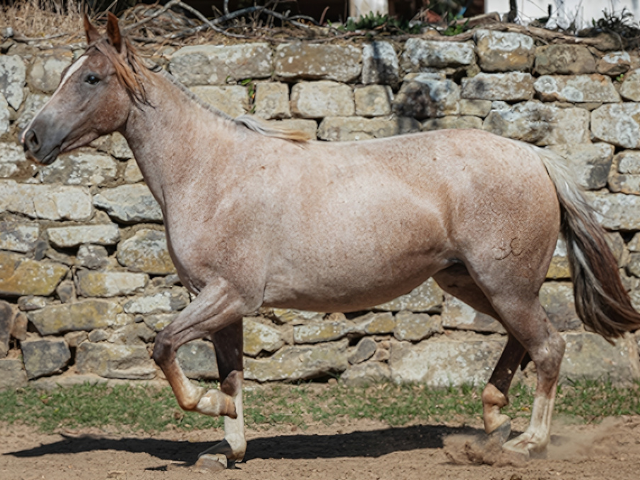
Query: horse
(256, 216)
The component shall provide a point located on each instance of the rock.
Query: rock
(296, 317)
(630, 88)
(33, 105)
(452, 122)
(299, 363)
(85, 315)
(508, 87)
(614, 63)
(48, 202)
(67, 237)
(357, 128)
(92, 256)
(5, 116)
(557, 300)
(46, 71)
(98, 335)
(12, 374)
(30, 303)
(376, 323)
(13, 163)
(298, 61)
(634, 264)
(272, 101)
(420, 54)
(322, 99)
(460, 316)
(425, 298)
(380, 64)
(18, 236)
(7, 318)
(308, 127)
(81, 168)
(115, 145)
(167, 301)
(559, 267)
(589, 356)
(618, 124)
(445, 361)
(13, 76)
(589, 163)
(23, 276)
(364, 350)
(66, 291)
(540, 124)
(324, 331)
(147, 252)
(74, 339)
(44, 357)
(158, 321)
(478, 108)
(576, 89)
(616, 211)
(217, 64)
(231, 99)
(624, 175)
(129, 204)
(373, 100)
(132, 173)
(133, 334)
(425, 97)
(504, 51)
(115, 361)
(413, 327)
(258, 337)
(564, 60)
(198, 360)
(109, 284)
(366, 374)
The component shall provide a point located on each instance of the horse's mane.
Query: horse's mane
(131, 75)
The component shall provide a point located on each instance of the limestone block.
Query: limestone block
(618, 124)
(132, 173)
(18, 236)
(133, 334)
(109, 284)
(74, 339)
(297, 61)
(146, 251)
(624, 175)
(23, 276)
(296, 317)
(163, 302)
(630, 88)
(44, 356)
(81, 168)
(12, 159)
(445, 361)
(614, 63)
(46, 71)
(198, 360)
(380, 64)
(115, 361)
(452, 122)
(540, 124)
(7, 318)
(460, 316)
(299, 362)
(366, 374)
(129, 204)
(427, 97)
(414, 327)
(557, 300)
(115, 145)
(589, 356)
(30, 303)
(616, 211)
(365, 349)
(217, 64)
(324, 331)
(634, 264)
(158, 321)
(340, 129)
(86, 315)
(589, 163)
(322, 99)
(373, 100)
(508, 87)
(308, 127)
(376, 323)
(259, 337)
(504, 51)
(72, 236)
(425, 298)
(272, 101)
(33, 104)
(13, 75)
(230, 99)
(576, 89)
(420, 54)
(477, 108)
(5, 115)
(564, 60)
(48, 202)
(559, 267)
(92, 256)
(12, 374)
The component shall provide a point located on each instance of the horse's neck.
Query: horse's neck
(173, 136)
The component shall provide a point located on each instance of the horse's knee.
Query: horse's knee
(162, 349)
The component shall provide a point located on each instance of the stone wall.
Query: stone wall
(86, 281)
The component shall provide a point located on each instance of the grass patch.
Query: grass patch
(150, 409)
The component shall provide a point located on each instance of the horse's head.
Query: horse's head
(94, 97)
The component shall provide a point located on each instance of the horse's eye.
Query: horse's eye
(91, 79)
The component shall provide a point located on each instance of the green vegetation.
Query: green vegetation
(150, 409)
(383, 23)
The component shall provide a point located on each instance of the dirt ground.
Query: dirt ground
(357, 450)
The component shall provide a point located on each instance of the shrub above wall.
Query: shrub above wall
(86, 281)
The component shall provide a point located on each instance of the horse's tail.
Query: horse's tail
(601, 300)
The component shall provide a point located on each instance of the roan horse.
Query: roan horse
(257, 217)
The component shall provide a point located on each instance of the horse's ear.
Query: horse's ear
(90, 31)
(113, 32)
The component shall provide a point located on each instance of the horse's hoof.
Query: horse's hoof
(501, 434)
(209, 462)
(518, 446)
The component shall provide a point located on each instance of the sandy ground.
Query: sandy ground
(357, 450)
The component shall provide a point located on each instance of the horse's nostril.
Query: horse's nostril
(31, 141)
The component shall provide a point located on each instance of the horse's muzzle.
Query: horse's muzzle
(33, 148)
